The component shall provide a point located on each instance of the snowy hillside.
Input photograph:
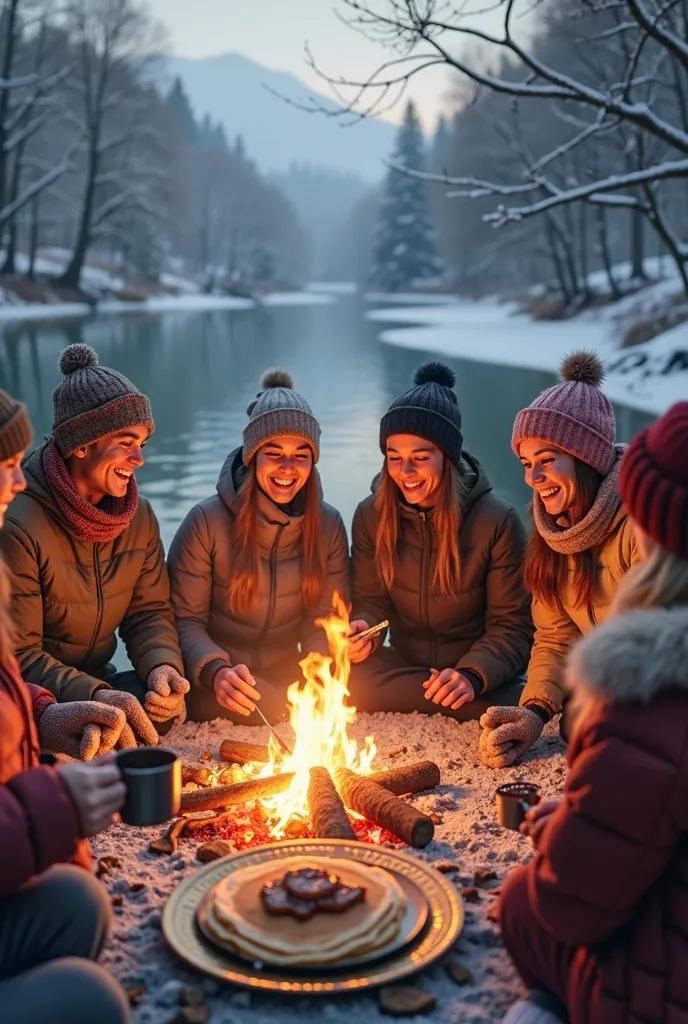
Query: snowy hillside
(241, 95)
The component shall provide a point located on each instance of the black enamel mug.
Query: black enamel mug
(514, 800)
(153, 777)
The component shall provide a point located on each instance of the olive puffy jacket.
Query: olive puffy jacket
(486, 628)
(267, 636)
(70, 596)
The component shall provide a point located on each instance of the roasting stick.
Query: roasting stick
(279, 739)
(371, 631)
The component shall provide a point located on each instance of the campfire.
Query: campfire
(325, 787)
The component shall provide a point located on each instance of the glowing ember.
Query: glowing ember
(320, 717)
(247, 828)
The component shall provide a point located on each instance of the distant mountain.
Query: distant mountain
(232, 89)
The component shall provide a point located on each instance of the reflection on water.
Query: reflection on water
(200, 371)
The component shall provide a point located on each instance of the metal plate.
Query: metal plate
(412, 925)
(445, 920)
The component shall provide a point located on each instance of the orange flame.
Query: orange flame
(320, 717)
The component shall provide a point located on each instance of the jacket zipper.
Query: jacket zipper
(273, 591)
(425, 560)
(99, 593)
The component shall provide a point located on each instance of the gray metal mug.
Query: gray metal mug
(514, 800)
(153, 777)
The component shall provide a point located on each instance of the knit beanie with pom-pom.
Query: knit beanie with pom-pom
(429, 410)
(653, 481)
(16, 432)
(93, 401)
(276, 411)
(573, 415)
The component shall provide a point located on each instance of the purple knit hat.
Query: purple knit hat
(573, 415)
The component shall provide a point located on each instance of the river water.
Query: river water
(201, 369)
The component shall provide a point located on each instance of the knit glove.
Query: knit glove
(138, 727)
(507, 734)
(80, 729)
(165, 697)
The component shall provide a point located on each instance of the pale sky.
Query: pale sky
(273, 33)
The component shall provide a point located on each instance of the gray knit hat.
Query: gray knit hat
(430, 410)
(277, 410)
(16, 432)
(93, 401)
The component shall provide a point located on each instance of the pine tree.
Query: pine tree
(404, 249)
(179, 102)
(440, 145)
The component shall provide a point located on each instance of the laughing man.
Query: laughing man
(85, 556)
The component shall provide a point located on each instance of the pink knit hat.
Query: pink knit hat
(573, 415)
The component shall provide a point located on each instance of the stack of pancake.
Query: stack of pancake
(235, 915)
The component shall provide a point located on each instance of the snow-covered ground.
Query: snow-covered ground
(651, 376)
(467, 834)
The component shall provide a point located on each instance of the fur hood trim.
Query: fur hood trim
(633, 656)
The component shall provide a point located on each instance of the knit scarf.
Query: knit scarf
(97, 523)
(593, 528)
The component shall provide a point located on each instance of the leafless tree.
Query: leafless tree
(31, 80)
(113, 41)
(629, 102)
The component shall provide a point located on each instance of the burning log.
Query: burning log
(239, 793)
(408, 778)
(378, 805)
(329, 819)
(237, 752)
(194, 773)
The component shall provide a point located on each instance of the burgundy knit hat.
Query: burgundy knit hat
(573, 415)
(653, 480)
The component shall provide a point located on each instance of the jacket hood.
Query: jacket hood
(37, 486)
(474, 477)
(633, 656)
(229, 481)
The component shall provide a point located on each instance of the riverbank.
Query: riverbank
(104, 289)
(649, 376)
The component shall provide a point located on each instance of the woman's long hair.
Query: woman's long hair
(658, 581)
(246, 569)
(7, 644)
(446, 519)
(546, 572)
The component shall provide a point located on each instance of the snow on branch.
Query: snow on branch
(412, 23)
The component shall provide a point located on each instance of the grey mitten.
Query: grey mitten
(79, 729)
(508, 733)
(138, 727)
(165, 697)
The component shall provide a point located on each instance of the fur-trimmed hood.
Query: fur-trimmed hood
(633, 656)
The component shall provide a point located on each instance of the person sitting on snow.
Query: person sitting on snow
(85, 556)
(256, 564)
(437, 553)
(582, 545)
(54, 915)
(597, 923)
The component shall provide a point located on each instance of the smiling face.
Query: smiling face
(12, 481)
(283, 466)
(106, 466)
(416, 467)
(551, 473)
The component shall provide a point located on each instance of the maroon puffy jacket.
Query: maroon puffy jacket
(38, 819)
(611, 872)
